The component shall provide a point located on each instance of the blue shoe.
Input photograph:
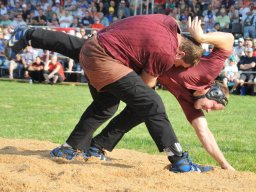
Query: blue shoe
(95, 152)
(65, 152)
(186, 165)
(17, 41)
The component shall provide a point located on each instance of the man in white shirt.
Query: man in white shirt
(66, 20)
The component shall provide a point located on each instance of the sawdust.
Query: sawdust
(25, 166)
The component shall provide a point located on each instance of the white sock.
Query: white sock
(66, 145)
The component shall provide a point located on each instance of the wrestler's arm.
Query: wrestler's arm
(200, 125)
(222, 40)
(148, 79)
(207, 139)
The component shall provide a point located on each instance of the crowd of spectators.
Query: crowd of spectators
(84, 17)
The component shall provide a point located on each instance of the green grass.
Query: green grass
(50, 113)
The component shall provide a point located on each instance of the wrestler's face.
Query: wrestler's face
(207, 104)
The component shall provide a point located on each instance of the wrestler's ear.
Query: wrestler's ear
(180, 54)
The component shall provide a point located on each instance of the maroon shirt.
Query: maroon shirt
(136, 43)
(180, 82)
(147, 42)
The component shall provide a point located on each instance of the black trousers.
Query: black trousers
(142, 100)
(36, 75)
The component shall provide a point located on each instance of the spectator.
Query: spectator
(66, 20)
(223, 19)
(5, 21)
(25, 11)
(239, 50)
(56, 7)
(83, 33)
(75, 23)
(55, 21)
(87, 20)
(250, 23)
(170, 5)
(123, 9)
(36, 69)
(233, 14)
(248, 43)
(40, 19)
(230, 72)
(53, 71)
(216, 27)
(17, 9)
(18, 21)
(209, 10)
(80, 13)
(209, 24)
(3, 9)
(183, 23)
(94, 12)
(244, 9)
(227, 3)
(113, 8)
(254, 47)
(97, 25)
(101, 8)
(175, 13)
(111, 15)
(28, 57)
(207, 50)
(103, 19)
(246, 63)
(16, 64)
(198, 10)
(49, 13)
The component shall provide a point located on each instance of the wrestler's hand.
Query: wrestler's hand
(195, 29)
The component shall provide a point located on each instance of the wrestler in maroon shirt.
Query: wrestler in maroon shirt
(152, 71)
(184, 85)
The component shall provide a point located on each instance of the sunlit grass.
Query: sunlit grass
(50, 113)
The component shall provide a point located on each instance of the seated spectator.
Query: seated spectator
(123, 10)
(16, 63)
(87, 20)
(239, 50)
(97, 25)
(5, 21)
(53, 71)
(66, 19)
(209, 23)
(230, 72)
(183, 23)
(223, 19)
(233, 15)
(254, 47)
(248, 43)
(40, 19)
(36, 70)
(247, 63)
(216, 27)
(18, 21)
(28, 57)
(75, 23)
(175, 13)
(103, 19)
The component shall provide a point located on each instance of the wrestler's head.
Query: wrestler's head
(213, 98)
(188, 53)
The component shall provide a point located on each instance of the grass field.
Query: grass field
(50, 113)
